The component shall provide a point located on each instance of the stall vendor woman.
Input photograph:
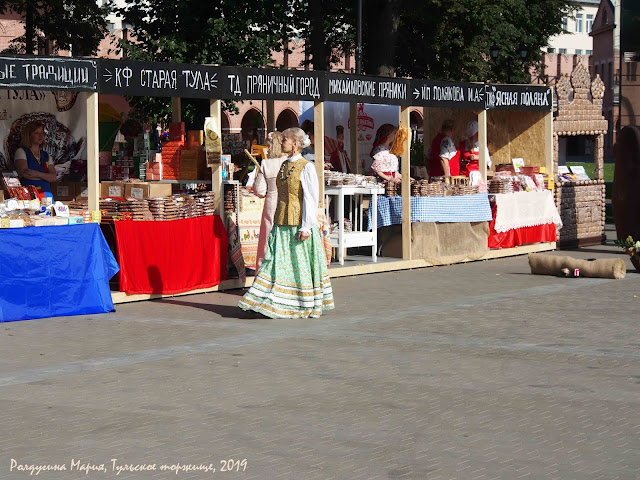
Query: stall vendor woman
(32, 163)
(470, 155)
(385, 164)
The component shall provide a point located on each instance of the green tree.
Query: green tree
(76, 25)
(438, 39)
(225, 32)
(330, 32)
(451, 39)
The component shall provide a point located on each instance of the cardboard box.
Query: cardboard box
(159, 190)
(49, 221)
(142, 190)
(111, 189)
(82, 190)
(136, 190)
(63, 191)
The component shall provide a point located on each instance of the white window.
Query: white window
(578, 23)
(551, 50)
(578, 51)
(565, 24)
(589, 24)
(589, 52)
(562, 50)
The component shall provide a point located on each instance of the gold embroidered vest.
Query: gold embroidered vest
(290, 193)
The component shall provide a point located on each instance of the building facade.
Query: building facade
(616, 58)
(571, 47)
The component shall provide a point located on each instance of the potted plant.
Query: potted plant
(633, 249)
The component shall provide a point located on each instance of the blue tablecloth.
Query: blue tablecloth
(459, 208)
(54, 271)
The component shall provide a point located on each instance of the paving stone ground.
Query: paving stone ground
(470, 372)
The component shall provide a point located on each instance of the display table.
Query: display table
(459, 208)
(55, 271)
(171, 257)
(359, 236)
(523, 218)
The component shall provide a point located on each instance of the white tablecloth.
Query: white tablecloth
(525, 209)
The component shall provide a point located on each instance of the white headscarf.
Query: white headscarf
(472, 129)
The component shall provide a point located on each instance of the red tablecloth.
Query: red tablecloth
(520, 236)
(171, 257)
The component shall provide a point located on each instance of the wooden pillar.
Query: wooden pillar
(93, 154)
(318, 139)
(353, 137)
(556, 152)
(176, 109)
(548, 142)
(271, 116)
(482, 143)
(598, 153)
(216, 170)
(405, 171)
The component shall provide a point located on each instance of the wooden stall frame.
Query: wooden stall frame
(482, 143)
(93, 154)
(405, 171)
(417, 93)
(353, 118)
(318, 133)
(215, 111)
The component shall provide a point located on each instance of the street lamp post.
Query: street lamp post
(359, 38)
(522, 50)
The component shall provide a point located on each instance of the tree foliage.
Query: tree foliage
(75, 25)
(440, 39)
(330, 28)
(451, 39)
(223, 32)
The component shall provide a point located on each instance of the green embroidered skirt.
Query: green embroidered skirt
(293, 280)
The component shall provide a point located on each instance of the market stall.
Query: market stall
(184, 158)
(54, 263)
(471, 101)
(522, 181)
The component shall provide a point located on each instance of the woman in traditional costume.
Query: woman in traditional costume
(293, 280)
(265, 186)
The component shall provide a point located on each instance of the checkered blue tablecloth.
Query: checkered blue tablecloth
(462, 208)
